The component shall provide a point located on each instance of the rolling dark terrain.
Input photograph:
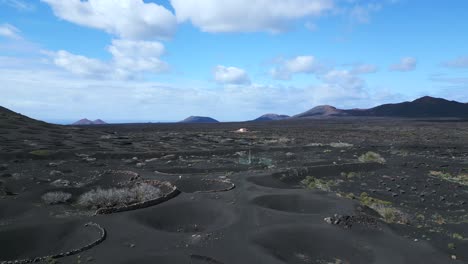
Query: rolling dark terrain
(424, 107)
(305, 191)
(199, 119)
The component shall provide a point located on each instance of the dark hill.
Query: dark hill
(86, 121)
(322, 110)
(270, 117)
(199, 119)
(425, 107)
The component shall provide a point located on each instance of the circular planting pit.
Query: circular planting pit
(295, 203)
(53, 240)
(196, 185)
(168, 191)
(115, 178)
(271, 182)
(175, 259)
(9, 210)
(187, 217)
(306, 244)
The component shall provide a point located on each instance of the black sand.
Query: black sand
(269, 217)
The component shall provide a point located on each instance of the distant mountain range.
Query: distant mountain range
(199, 119)
(86, 121)
(424, 107)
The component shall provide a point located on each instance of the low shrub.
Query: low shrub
(371, 157)
(314, 183)
(459, 179)
(41, 152)
(114, 197)
(56, 197)
(341, 145)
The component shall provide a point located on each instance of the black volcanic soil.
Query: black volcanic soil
(269, 217)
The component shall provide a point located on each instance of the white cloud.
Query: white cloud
(460, 62)
(79, 65)
(9, 31)
(230, 75)
(245, 15)
(364, 69)
(53, 94)
(130, 59)
(362, 13)
(343, 79)
(406, 64)
(18, 5)
(299, 64)
(131, 19)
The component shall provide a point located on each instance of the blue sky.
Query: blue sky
(135, 60)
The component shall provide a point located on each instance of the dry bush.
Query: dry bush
(341, 145)
(371, 157)
(114, 197)
(56, 197)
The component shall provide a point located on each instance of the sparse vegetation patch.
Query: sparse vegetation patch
(385, 209)
(41, 152)
(459, 179)
(341, 145)
(371, 157)
(56, 197)
(314, 183)
(101, 198)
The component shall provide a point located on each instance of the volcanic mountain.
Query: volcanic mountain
(86, 121)
(424, 107)
(322, 110)
(270, 117)
(199, 119)
(9, 118)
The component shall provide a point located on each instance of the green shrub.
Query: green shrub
(314, 183)
(341, 145)
(371, 157)
(460, 179)
(41, 152)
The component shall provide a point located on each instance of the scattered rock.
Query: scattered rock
(89, 159)
(3, 167)
(169, 157)
(56, 173)
(130, 161)
(53, 164)
(151, 160)
(140, 165)
(60, 183)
